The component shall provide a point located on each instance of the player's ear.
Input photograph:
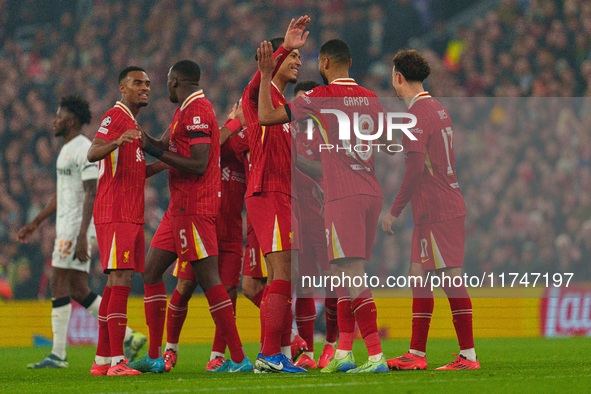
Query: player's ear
(326, 62)
(72, 121)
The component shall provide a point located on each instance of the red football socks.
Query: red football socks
(461, 310)
(103, 348)
(422, 310)
(286, 336)
(219, 344)
(365, 311)
(222, 312)
(155, 309)
(117, 318)
(263, 314)
(346, 323)
(258, 297)
(305, 316)
(330, 309)
(277, 308)
(176, 315)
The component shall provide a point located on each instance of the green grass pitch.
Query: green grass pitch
(508, 365)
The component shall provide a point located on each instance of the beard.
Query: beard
(324, 79)
(142, 104)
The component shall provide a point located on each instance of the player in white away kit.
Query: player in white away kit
(73, 202)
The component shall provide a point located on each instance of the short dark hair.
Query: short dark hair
(78, 107)
(127, 70)
(412, 65)
(305, 86)
(275, 43)
(187, 69)
(336, 50)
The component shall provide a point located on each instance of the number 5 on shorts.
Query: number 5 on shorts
(183, 238)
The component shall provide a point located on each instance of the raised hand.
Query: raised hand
(295, 36)
(232, 114)
(236, 113)
(239, 114)
(265, 58)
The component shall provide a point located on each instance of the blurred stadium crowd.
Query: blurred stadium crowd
(515, 79)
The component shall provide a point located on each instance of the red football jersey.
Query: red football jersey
(438, 197)
(271, 155)
(122, 174)
(310, 150)
(229, 222)
(194, 122)
(238, 144)
(346, 172)
(309, 204)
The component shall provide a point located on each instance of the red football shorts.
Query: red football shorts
(190, 237)
(254, 260)
(121, 246)
(312, 255)
(184, 270)
(439, 245)
(274, 221)
(351, 224)
(230, 262)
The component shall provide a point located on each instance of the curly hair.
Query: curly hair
(78, 107)
(412, 65)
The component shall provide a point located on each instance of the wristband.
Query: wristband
(152, 150)
(233, 125)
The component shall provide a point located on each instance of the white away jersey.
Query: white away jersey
(72, 169)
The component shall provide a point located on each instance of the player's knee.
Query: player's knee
(248, 293)
(79, 292)
(151, 277)
(207, 274)
(185, 286)
(120, 277)
(251, 287)
(304, 292)
(232, 292)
